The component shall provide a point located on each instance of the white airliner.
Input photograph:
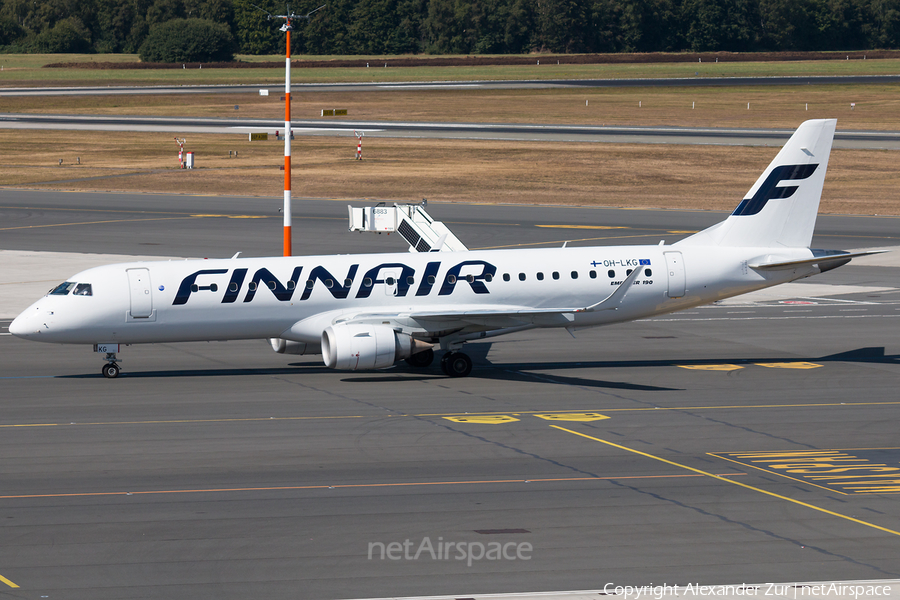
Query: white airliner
(370, 311)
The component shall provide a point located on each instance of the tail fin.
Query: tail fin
(780, 209)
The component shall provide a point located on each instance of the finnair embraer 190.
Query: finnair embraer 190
(370, 311)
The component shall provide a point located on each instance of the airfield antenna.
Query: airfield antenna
(286, 27)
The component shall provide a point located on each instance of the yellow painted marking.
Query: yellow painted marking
(233, 216)
(356, 485)
(558, 242)
(8, 582)
(583, 417)
(95, 223)
(772, 472)
(720, 478)
(789, 365)
(836, 469)
(680, 232)
(483, 419)
(725, 367)
(582, 227)
(420, 415)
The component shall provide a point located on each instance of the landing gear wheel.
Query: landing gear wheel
(110, 370)
(421, 360)
(456, 364)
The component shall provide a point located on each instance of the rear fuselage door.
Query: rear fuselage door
(141, 297)
(675, 272)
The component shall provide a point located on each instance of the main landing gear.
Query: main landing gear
(111, 369)
(456, 364)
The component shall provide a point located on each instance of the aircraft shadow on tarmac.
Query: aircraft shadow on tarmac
(520, 371)
(486, 369)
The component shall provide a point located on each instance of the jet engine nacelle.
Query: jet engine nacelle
(283, 346)
(357, 346)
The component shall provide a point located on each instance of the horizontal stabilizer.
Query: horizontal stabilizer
(828, 256)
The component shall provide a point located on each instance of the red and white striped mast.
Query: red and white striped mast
(287, 27)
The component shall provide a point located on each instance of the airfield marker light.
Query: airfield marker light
(286, 28)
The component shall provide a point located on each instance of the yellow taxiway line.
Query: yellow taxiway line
(720, 478)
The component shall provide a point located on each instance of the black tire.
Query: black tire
(456, 364)
(421, 360)
(110, 370)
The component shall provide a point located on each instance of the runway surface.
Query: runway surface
(494, 84)
(481, 131)
(635, 454)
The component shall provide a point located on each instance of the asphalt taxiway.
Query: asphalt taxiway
(705, 446)
(859, 140)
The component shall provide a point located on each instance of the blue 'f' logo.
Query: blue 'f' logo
(768, 190)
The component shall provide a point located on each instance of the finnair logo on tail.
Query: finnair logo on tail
(769, 190)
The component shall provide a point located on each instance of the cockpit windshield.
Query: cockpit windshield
(62, 289)
(77, 289)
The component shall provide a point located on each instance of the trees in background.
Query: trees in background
(464, 26)
(188, 40)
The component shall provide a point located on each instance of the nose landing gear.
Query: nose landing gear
(111, 369)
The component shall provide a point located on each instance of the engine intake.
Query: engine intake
(357, 347)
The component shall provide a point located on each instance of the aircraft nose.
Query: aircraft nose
(26, 325)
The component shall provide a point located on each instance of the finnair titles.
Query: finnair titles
(370, 311)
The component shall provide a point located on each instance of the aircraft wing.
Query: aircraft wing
(502, 316)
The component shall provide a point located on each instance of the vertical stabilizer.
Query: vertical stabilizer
(780, 209)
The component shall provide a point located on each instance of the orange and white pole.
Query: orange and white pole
(287, 146)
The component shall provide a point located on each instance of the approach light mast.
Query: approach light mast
(286, 27)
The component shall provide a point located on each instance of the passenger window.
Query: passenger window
(628, 272)
(195, 287)
(451, 279)
(290, 285)
(555, 274)
(431, 280)
(574, 274)
(593, 274)
(611, 273)
(309, 284)
(62, 289)
(540, 276)
(348, 282)
(521, 276)
(648, 272)
(470, 278)
(488, 277)
(271, 286)
(410, 280)
(506, 277)
(83, 289)
(233, 287)
(214, 287)
(251, 286)
(367, 282)
(390, 280)
(329, 283)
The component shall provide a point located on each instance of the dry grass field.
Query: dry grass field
(404, 170)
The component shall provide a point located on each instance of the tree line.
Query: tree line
(346, 27)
